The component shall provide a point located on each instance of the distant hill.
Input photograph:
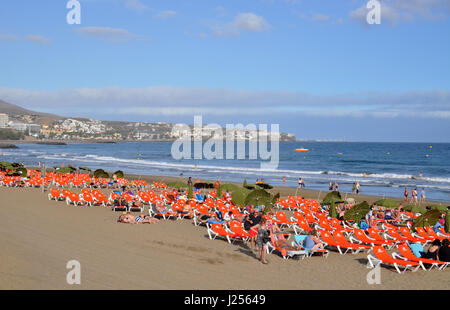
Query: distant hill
(15, 110)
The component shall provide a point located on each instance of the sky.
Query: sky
(316, 68)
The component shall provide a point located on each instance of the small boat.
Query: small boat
(301, 150)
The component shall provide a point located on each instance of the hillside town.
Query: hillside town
(82, 129)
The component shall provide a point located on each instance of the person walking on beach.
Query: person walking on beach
(284, 180)
(406, 194)
(189, 182)
(353, 188)
(263, 237)
(330, 188)
(414, 196)
(301, 183)
(358, 188)
(422, 195)
(336, 186)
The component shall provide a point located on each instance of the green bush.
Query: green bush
(100, 173)
(430, 218)
(177, 185)
(229, 187)
(387, 203)
(357, 212)
(119, 174)
(11, 134)
(4, 165)
(440, 208)
(332, 212)
(264, 185)
(332, 197)
(190, 192)
(204, 185)
(239, 195)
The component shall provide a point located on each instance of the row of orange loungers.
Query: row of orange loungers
(72, 180)
(335, 234)
(308, 215)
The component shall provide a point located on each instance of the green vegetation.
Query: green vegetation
(178, 185)
(264, 185)
(430, 218)
(228, 187)
(357, 213)
(331, 198)
(415, 209)
(332, 212)
(440, 208)
(4, 165)
(190, 192)
(239, 195)
(85, 169)
(204, 185)
(100, 173)
(387, 203)
(68, 169)
(14, 169)
(11, 134)
(119, 174)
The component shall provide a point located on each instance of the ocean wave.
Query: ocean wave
(380, 178)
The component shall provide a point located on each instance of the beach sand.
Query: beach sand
(38, 237)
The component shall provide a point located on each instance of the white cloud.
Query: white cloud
(136, 5)
(108, 34)
(394, 12)
(8, 37)
(166, 14)
(242, 22)
(35, 38)
(169, 100)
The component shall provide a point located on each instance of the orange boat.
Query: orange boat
(301, 150)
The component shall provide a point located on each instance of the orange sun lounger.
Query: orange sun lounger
(382, 257)
(406, 253)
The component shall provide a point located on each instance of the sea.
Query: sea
(382, 169)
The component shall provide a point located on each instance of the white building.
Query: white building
(18, 126)
(4, 120)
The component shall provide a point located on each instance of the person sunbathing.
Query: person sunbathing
(313, 242)
(433, 250)
(138, 219)
(160, 208)
(275, 230)
(283, 244)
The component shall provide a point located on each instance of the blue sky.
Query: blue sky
(314, 67)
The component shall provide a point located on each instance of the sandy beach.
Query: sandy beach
(39, 237)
